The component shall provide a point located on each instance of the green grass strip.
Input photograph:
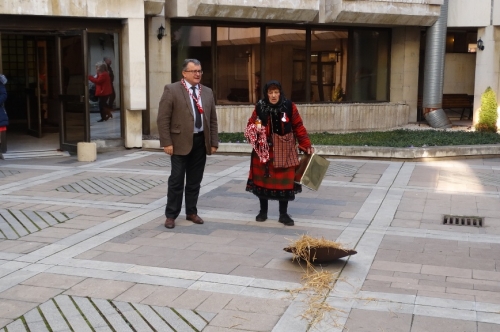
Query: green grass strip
(400, 138)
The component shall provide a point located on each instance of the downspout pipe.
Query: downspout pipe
(432, 99)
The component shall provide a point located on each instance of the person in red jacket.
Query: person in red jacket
(103, 90)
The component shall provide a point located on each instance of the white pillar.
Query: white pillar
(159, 59)
(487, 66)
(134, 80)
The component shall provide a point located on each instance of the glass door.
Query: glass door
(36, 84)
(73, 89)
(323, 75)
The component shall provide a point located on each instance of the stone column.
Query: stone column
(487, 66)
(405, 57)
(134, 80)
(160, 72)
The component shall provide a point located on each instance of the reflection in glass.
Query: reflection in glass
(104, 48)
(191, 42)
(328, 61)
(238, 74)
(73, 88)
(336, 66)
(369, 66)
(285, 51)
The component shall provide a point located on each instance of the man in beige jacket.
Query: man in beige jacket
(187, 124)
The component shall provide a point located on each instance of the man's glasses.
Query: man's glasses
(200, 72)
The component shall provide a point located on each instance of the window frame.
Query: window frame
(309, 28)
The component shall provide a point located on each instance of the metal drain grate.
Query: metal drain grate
(339, 169)
(463, 221)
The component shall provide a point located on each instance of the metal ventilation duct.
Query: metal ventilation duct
(432, 99)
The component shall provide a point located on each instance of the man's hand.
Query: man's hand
(214, 149)
(169, 149)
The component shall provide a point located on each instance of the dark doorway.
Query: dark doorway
(46, 90)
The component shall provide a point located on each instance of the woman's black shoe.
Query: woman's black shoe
(286, 220)
(102, 120)
(262, 216)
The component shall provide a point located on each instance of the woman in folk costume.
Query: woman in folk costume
(274, 156)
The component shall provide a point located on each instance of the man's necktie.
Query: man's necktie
(197, 122)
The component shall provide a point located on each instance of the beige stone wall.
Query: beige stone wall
(459, 71)
(134, 80)
(467, 13)
(330, 117)
(487, 66)
(134, 64)
(394, 12)
(496, 12)
(278, 10)
(159, 58)
(391, 12)
(75, 8)
(405, 57)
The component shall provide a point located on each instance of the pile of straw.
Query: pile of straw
(306, 248)
(317, 284)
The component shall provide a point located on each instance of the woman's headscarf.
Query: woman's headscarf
(282, 95)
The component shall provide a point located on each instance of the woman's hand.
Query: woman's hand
(309, 150)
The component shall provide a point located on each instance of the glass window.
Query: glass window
(285, 61)
(15, 74)
(192, 42)
(328, 65)
(101, 46)
(461, 41)
(238, 65)
(335, 65)
(369, 66)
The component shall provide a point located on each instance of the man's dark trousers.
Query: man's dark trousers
(192, 166)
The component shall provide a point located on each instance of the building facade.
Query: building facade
(349, 64)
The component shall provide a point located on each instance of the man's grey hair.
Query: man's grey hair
(187, 61)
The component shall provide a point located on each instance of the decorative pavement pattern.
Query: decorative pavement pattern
(6, 173)
(73, 313)
(84, 248)
(165, 162)
(111, 186)
(17, 223)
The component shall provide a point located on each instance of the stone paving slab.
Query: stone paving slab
(95, 255)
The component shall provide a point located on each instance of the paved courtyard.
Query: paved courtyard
(83, 248)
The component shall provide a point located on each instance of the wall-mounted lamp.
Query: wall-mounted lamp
(161, 32)
(102, 42)
(338, 54)
(480, 44)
